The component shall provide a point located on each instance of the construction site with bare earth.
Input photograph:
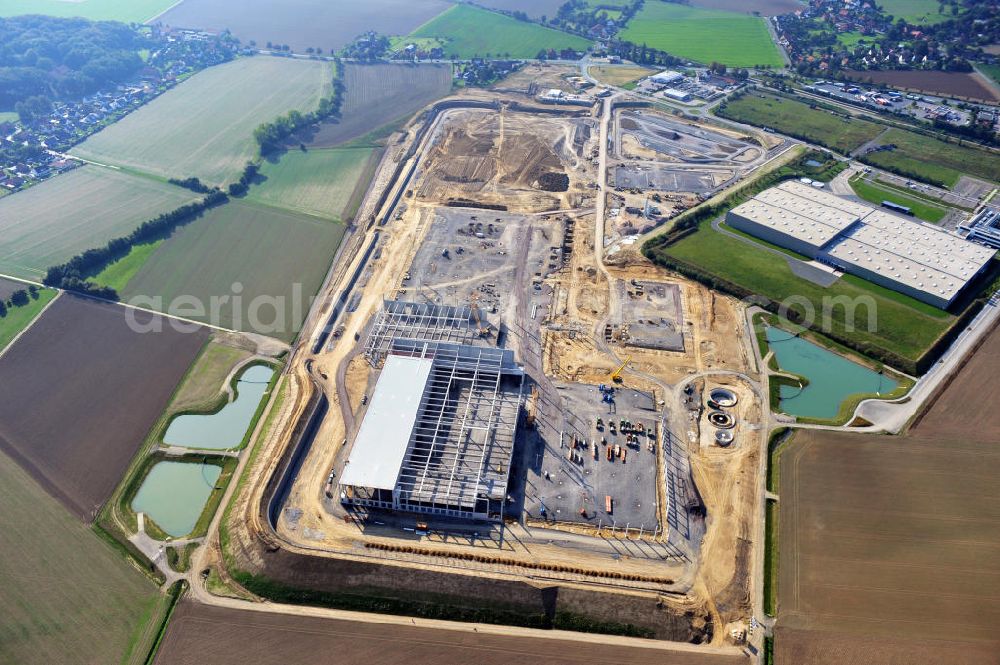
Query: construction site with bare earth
(502, 412)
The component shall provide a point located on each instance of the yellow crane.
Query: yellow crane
(616, 376)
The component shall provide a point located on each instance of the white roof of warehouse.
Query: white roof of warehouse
(809, 230)
(811, 194)
(381, 443)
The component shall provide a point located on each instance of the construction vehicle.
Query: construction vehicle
(474, 306)
(610, 451)
(532, 407)
(608, 504)
(616, 376)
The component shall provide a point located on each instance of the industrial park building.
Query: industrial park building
(438, 435)
(921, 260)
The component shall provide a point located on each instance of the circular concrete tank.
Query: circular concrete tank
(721, 420)
(723, 397)
(724, 437)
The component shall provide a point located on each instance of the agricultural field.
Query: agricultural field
(905, 326)
(865, 581)
(992, 71)
(469, 31)
(915, 11)
(875, 193)
(951, 84)
(51, 222)
(534, 9)
(204, 126)
(797, 119)
(380, 94)
(68, 597)
(18, 318)
(222, 636)
(619, 75)
(704, 35)
(302, 24)
(279, 259)
(94, 370)
(327, 183)
(933, 160)
(126, 11)
(761, 7)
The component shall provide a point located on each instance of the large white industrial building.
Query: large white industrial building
(438, 435)
(912, 257)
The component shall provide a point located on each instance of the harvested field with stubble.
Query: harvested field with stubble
(378, 94)
(303, 23)
(204, 126)
(67, 596)
(104, 385)
(895, 538)
(51, 222)
(201, 634)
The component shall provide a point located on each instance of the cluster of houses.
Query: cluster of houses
(32, 152)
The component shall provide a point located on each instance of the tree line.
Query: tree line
(18, 298)
(271, 135)
(74, 274)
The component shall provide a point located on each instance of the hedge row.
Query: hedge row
(270, 135)
(73, 275)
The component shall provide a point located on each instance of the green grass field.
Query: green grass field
(797, 119)
(117, 274)
(915, 11)
(205, 380)
(49, 223)
(904, 325)
(126, 11)
(933, 160)
(705, 35)
(992, 71)
(470, 31)
(68, 597)
(19, 318)
(328, 183)
(8, 116)
(875, 193)
(204, 126)
(266, 250)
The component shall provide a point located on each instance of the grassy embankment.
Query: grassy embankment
(876, 193)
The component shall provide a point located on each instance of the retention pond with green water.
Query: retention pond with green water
(227, 427)
(831, 379)
(174, 494)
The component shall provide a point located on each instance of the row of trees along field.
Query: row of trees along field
(73, 275)
(44, 58)
(19, 298)
(271, 135)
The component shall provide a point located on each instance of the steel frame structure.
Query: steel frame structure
(458, 457)
(401, 319)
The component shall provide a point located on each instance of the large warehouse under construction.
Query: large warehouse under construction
(438, 435)
(921, 260)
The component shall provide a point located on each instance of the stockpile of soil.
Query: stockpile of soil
(553, 182)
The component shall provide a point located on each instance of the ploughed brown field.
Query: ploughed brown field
(762, 7)
(890, 546)
(957, 84)
(202, 634)
(80, 390)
